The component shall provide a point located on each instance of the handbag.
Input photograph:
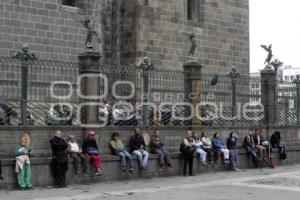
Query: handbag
(93, 151)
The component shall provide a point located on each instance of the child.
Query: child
(23, 167)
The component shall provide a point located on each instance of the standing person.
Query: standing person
(76, 154)
(188, 153)
(233, 154)
(218, 145)
(275, 142)
(23, 167)
(207, 146)
(91, 151)
(198, 145)
(259, 145)
(250, 148)
(119, 149)
(59, 159)
(138, 147)
(157, 147)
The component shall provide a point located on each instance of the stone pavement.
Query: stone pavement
(280, 183)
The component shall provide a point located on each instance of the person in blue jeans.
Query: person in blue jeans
(233, 154)
(138, 147)
(250, 148)
(218, 145)
(119, 149)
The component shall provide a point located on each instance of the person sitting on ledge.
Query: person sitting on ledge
(118, 148)
(138, 147)
(249, 145)
(218, 145)
(275, 142)
(207, 146)
(156, 146)
(199, 151)
(76, 154)
(261, 145)
(91, 151)
(23, 167)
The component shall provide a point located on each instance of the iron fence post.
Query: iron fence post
(297, 82)
(234, 75)
(25, 56)
(145, 66)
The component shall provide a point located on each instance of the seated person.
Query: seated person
(76, 154)
(119, 149)
(218, 145)
(91, 151)
(156, 146)
(138, 147)
(260, 145)
(198, 146)
(54, 116)
(207, 146)
(275, 142)
(68, 115)
(249, 146)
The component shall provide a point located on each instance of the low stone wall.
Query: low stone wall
(41, 171)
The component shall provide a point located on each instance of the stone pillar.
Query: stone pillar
(192, 71)
(268, 94)
(89, 70)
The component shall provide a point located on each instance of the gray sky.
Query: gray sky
(276, 22)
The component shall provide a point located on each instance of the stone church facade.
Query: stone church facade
(132, 29)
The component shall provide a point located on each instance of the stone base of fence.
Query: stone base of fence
(42, 175)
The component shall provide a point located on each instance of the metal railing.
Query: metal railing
(222, 97)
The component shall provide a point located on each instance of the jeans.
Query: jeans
(202, 154)
(163, 155)
(126, 159)
(233, 154)
(142, 157)
(253, 156)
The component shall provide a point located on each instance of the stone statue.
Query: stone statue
(269, 50)
(90, 26)
(193, 47)
(25, 54)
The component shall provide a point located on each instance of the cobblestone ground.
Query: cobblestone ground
(280, 183)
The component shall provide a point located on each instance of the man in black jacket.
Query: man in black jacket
(138, 147)
(59, 159)
(250, 148)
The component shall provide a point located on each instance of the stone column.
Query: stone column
(268, 94)
(192, 71)
(89, 69)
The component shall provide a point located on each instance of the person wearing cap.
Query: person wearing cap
(59, 159)
(91, 151)
(76, 154)
(138, 148)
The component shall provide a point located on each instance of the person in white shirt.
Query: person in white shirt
(207, 146)
(76, 154)
(198, 146)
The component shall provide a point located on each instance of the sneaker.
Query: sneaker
(99, 172)
(226, 161)
(236, 169)
(131, 170)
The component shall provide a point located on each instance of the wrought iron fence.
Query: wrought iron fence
(222, 97)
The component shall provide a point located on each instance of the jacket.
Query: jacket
(87, 143)
(136, 143)
(218, 144)
(231, 143)
(117, 145)
(206, 143)
(156, 144)
(249, 142)
(59, 151)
